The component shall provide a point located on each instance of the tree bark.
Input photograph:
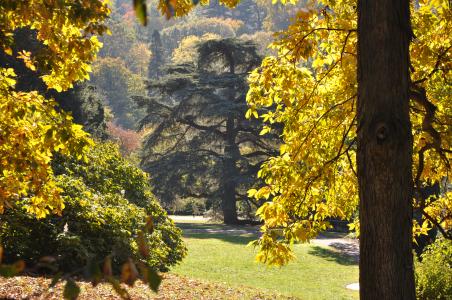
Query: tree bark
(229, 185)
(384, 150)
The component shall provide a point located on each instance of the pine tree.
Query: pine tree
(202, 146)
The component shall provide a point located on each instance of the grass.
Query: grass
(318, 273)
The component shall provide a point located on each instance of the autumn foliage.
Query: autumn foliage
(311, 86)
(31, 128)
(129, 140)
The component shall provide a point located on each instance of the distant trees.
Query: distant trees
(187, 52)
(118, 84)
(226, 28)
(158, 56)
(121, 69)
(85, 103)
(201, 145)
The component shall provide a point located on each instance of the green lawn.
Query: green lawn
(318, 273)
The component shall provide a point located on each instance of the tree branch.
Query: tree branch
(188, 120)
(434, 222)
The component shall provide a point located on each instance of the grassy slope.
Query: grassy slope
(318, 273)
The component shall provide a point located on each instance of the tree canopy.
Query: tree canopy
(312, 84)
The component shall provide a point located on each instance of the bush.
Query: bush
(107, 201)
(434, 272)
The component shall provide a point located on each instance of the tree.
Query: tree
(158, 56)
(201, 145)
(317, 52)
(31, 128)
(138, 59)
(34, 129)
(384, 151)
(247, 12)
(313, 85)
(121, 40)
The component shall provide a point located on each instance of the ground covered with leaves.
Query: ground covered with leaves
(173, 287)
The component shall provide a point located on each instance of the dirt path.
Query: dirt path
(341, 244)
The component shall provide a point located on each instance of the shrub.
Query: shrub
(434, 272)
(107, 201)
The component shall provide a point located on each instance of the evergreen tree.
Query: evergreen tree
(202, 146)
(85, 104)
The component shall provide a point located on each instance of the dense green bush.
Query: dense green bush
(107, 201)
(434, 272)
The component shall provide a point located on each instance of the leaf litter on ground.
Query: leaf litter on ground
(173, 287)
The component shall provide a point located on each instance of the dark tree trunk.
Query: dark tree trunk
(229, 185)
(384, 150)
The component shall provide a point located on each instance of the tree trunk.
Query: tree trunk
(229, 185)
(384, 150)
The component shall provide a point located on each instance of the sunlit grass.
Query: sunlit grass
(318, 273)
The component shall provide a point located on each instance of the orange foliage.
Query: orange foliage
(129, 140)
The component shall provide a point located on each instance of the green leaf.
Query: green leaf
(140, 10)
(71, 290)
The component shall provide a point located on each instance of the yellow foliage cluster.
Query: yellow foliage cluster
(30, 130)
(310, 87)
(31, 127)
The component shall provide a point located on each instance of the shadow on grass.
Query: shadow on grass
(234, 234)
(219, 227)
(333, 255)
(185, 226)
(242, 239)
